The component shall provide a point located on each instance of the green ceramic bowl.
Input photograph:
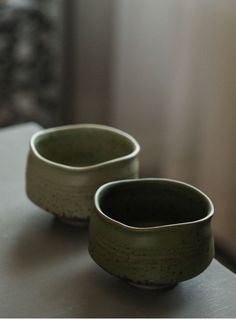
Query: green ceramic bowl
(67, 164)
(152, 232)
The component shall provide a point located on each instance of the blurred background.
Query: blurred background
(162, 70)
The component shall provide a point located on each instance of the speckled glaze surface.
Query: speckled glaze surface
(66, 165)
(151, 232)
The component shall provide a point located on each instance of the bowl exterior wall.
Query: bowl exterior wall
(69, 193)
(151, 257)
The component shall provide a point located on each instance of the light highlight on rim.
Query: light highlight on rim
(141, 229)
(131, 155)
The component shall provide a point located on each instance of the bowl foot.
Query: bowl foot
(75, 221)
(153, 287)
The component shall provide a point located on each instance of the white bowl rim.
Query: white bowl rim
(145, 229)
(78, 126)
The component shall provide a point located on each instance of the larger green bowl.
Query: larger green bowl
(67, 164)
(151, 232)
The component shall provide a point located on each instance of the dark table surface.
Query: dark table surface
(46, 271)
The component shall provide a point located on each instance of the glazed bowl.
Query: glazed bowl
(67, 164)
(153, 233)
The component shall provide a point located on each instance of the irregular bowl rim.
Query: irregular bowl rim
(78, 126)
(144, 229)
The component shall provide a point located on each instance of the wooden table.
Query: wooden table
(46, 271)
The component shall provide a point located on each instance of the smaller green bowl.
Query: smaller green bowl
(67, 164)
(153, 233)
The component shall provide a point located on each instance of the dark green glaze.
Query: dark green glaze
(151, 231)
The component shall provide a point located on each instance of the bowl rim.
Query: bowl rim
(153, 228)
(80, 126)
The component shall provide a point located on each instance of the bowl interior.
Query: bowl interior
(83, 146)
(152, 203)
